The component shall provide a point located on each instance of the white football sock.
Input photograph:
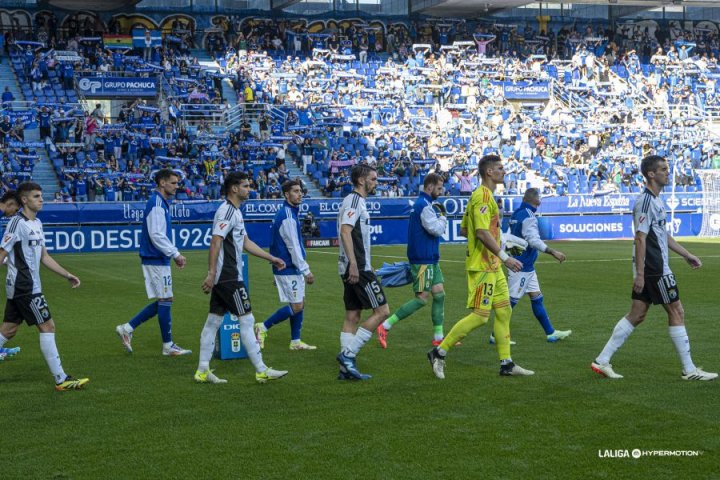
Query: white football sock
(252, 347)
(3, 340)
(345, 339)
(52, 357)
(679, 337)
(362, 336)
(386, 325)
(128, 328)
(622, 331)
(207, 340)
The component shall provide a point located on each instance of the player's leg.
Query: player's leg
(503, 313)
(678, 333)
(422, 283)
(479, 314)
(154, 289)
(237, 301)
(372, 296)
(538, 307)
(8, 329)
(518, 283)
(623, 329)
(287, 290)
(35, 311)
(296, 324)
(207, 341)
(437, 314)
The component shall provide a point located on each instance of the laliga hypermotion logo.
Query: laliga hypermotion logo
(87, 84)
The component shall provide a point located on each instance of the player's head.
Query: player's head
(30, 195)
(237, 186)
(292, 191)
(364, 178)
(491, 168)
(655, 169)
(532, 197)
(167, 182)
(9, 203)
(433, 185)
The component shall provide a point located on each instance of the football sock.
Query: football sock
(621, 332)
(345, 339)
(538, 308)
(150, 310)
(501, 329)
(361, 338)
(207, 340)
(3, 340)
(296, 321)
(679, 337)
(407, 309)
(165, 321)
(52, 357)
(513, 302)
(247, 335)
(461, 329)
(438, 314)
(281, 314)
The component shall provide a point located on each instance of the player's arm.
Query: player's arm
(346, 239)
(531, 233)
(482, 216)
(691, 259)
(215, 246)
(50, 263)
(156, 229)
(488, 240)
(252, 248)
(640, 248)
(463, 225)
(288, 232)
(434, 224)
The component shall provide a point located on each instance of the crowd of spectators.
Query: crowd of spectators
(410, 100)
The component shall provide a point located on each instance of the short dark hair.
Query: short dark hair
(360, 171)
(234, 178)
(288, 185)
(531, 194)
(165, 174)
(650, 164)
(10, 195)
(486, 162)
(27, 187)
(432, 179)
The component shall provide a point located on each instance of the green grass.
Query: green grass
(142, 416)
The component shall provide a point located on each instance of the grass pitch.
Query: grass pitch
(142, 416)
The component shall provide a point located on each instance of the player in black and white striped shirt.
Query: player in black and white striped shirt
(362, 288)
(226, 285)
(654, 282)
(23, 244)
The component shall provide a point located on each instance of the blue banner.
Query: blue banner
(117, 87)
(327, 208)
(526, 90)
(27, 117)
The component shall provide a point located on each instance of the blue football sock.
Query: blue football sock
(165, 321)
(538, 309)
(150, 310)
(282, 313)
(296, 321)
(513, 302)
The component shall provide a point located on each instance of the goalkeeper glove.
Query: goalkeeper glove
(439, 208)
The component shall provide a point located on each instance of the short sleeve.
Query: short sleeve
(641, 220)
(482, 214)
(350, 215)
(222, 225)
(10, 238)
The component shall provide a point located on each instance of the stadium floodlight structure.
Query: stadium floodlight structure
(710, 181)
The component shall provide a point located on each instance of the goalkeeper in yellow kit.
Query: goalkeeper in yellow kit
(487, 286)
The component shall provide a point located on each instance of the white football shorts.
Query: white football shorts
(291, 288)
(520, 283)
(158, 281)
